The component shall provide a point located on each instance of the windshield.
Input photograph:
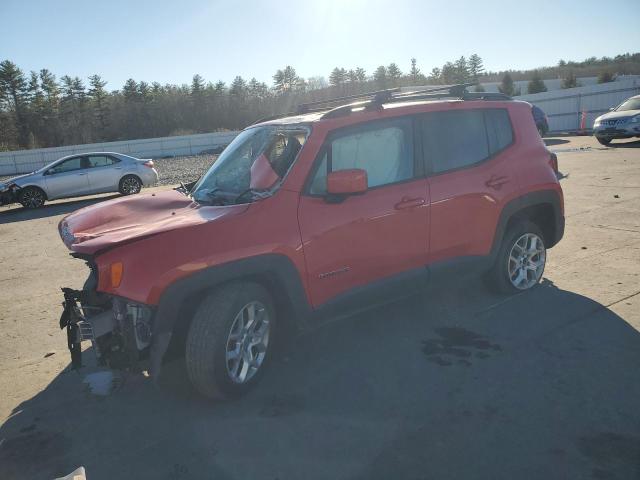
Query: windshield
(257, 160)
(631, 104)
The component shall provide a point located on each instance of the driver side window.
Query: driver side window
(67, 166)
(384, 150)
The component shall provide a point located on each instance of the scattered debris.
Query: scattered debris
(616, 196)
(78, 474)
(584, 248)
(48, 354)
(100, 383)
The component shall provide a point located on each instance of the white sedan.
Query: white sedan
(77, 175)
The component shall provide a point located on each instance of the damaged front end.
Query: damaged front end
(9, 193)
(120, 330)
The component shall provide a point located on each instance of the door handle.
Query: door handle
(496, 182)
(80, 173)
(117, 168)
(408, 202)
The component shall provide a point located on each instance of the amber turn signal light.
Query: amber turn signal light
(116, 274)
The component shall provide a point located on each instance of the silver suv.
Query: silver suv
(621, 122)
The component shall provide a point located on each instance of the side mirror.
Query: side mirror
(611, 109)
(347, 182)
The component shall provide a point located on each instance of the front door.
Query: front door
(370, 239)
(67, 178)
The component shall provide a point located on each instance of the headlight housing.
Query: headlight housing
(635, 119)
(597, 122)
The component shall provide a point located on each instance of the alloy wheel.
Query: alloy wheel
(526, 261)
(247, 342)
(32, 198)
(130, 186)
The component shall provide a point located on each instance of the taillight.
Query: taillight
(148, 163)
(553, 161)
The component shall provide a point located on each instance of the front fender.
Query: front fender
(276, 272)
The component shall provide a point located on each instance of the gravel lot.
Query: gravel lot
(458, 383)
(174, 170)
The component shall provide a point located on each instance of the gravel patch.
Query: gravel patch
(174, 170)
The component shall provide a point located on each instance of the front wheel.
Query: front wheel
(604, 140)
(31, 197)
(230, 340)
(521, 259)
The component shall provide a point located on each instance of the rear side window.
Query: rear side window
(101, 161)
(384, 150)
(459, 139)
(499, 129)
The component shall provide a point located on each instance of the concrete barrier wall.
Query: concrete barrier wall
(564, 107)
(24, 161)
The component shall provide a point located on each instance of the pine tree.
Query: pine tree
(435, 76)
(448, 73)
(536, 85)
(380, 77)
(393, 73)
(476, 68)
(414, 73)
(337, 77)
(605, 77)
(570, 81)
(506, 86)
(13, 86)
(99, 107)
(460, 71)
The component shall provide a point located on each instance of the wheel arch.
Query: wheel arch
(544, 208)
(35, 185)
(178, 303)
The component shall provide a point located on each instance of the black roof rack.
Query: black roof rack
(374, 100)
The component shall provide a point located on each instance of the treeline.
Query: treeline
(40, 110)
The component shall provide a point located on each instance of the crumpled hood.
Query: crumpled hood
(108, 224)
(16, 180)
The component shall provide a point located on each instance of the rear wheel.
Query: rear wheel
(230, 340)
(32, 197)
(604, 140)
(129, 185)
(521, 259)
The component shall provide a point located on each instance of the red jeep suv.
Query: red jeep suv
(303, 217)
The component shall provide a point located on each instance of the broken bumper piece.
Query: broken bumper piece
(119, 330)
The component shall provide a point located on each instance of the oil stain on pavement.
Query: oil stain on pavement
(457, 346)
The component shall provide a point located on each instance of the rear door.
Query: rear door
(104, 173)
(68, 178)
(467, 156)
(373, 239)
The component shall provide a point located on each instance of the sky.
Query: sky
(170, 41)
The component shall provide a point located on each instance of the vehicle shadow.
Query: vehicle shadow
(543, 383)
(554, 141)
(627, 144)
(20, 214)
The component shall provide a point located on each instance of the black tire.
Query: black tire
(604, 140)
(208, 335)
(498, 277)
(130, 185)
(32, 197)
